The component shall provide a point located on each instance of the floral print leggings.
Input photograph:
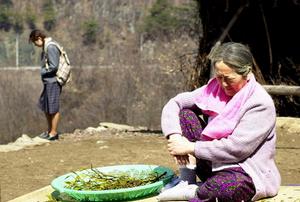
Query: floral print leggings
(230, 184)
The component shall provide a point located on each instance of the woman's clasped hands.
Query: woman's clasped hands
(180, 147)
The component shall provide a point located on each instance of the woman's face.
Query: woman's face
(38, 42)
(230, 81)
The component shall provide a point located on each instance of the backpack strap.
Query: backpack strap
(60, 48)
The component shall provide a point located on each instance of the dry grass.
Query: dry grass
(130, 95)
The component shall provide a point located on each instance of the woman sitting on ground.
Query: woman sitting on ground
(223, 132)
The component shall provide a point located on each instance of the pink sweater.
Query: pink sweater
(251, 145)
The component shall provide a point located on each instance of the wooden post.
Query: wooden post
(282, 90)
(17, 50)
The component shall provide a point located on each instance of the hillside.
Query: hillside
(120, 75)
(129, 56)
(93, 32)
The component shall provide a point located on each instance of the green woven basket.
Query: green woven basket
(115, 194)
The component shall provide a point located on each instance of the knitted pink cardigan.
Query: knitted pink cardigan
(251, 144)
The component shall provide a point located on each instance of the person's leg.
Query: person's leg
(232, 184)
(203, 169)
(49, 103)
(49, 121)
(54, 119)
(185, 187)
(54, 91)
(192, 126)
(42, 104)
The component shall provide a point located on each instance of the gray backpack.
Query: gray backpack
(63, 74)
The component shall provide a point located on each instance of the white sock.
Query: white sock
(182, 191)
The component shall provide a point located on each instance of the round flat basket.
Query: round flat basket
(59, 184)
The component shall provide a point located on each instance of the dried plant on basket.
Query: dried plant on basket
(95, 180)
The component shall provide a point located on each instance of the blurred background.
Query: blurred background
(130, 57)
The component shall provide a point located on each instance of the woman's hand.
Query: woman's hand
(179, 145)
(181, 159)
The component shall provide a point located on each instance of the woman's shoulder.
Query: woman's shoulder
(52, 49)
(261, 97)
(52, 46)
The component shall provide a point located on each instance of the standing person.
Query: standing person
(49, 99)
(232, 148)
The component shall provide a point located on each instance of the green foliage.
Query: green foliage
(14, 19)
(5, 19)
(30, 18)
(49, 15)
(18, 22)
(160, 20)
(90, 30)
(166, 20)
(188, 18)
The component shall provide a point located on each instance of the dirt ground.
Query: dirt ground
(32, 168)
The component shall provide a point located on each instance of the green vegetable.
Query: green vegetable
(95, 180)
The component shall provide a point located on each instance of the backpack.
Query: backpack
(63, 74)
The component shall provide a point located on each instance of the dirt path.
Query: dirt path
(34, 167)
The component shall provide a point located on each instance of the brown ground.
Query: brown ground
(32, 168)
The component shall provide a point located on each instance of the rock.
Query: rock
(289, 124)
(122, 127)
(288, 132)
(22, 142)
(95, 130)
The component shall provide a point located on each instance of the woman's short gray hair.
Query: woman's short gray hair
(236, 55)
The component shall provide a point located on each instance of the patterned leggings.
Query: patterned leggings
(231, 184)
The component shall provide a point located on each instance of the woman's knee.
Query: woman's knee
(186, 113)
(190, 124)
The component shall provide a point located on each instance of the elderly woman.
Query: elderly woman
(223, 132)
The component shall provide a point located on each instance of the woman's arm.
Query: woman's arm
(170, 123)
(53, 55)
